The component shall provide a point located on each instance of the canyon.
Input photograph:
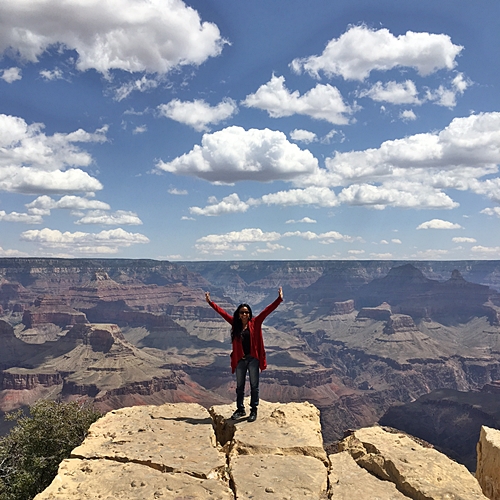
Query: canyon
(355, 338)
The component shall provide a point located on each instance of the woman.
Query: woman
(248, 350)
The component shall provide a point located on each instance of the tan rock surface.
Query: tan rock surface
(346, 476)
(278, 477)
(488, 462)
(280, 429)
(418, 472)
(109, 480)
(171, 437)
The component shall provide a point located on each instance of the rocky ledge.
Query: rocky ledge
(184, 451)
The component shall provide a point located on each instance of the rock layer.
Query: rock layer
(488, 462)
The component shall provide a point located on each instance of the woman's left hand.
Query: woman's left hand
(280, 293)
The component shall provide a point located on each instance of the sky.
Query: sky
(237, 130)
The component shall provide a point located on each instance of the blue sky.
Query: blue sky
(224, 129)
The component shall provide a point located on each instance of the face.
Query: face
(244, 314)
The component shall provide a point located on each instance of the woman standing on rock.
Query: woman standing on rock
(248, 350)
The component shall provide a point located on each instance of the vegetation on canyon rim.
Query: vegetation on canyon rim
(31, 453)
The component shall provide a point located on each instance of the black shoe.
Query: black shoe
(253, 415)
(238, 414)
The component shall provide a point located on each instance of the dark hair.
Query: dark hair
(237, 323)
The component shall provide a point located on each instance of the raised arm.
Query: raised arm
(228, 317)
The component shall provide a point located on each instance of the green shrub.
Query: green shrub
(31, 453)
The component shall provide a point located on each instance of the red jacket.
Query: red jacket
(256, 339)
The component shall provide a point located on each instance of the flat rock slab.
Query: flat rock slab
(171, 438)
(418, 472)
(488, 462)
(346, 477)
(108, 480)
(280, 429)
(278, 477)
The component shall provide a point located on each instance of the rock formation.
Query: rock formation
(488, 462)
(184, 451)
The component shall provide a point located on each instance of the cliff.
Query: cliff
(176, 451)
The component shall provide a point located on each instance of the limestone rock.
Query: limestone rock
(105, 479)
(171, 437)
(418, 472)
(488, 462)
(346, 477)
(277, 477)
(280, 429)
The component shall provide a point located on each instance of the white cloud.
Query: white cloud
(132, 35)
(382, 256)
(11, 253)
(384, 242)
(404, 196)
(32, 162)
(10, 75)
(143, 84)
(463, 240)
(319, 196)
(140, 129)
(355, 252)
(234, 241)
(17, 217)
(393, 92)
(50, 75)
(229, 205)
(439, 224)
(198, 113)
(328, 237)
(300, 135)
(120, 217)
(407, 115)
(105, 242)
(44, 204)
(270, 248)
(487, 251)
(304, 220)
(235, 154)
(397, 241)
(323, 102)
(447, 96)
(491, 211)
(178, 192)
(361, 50)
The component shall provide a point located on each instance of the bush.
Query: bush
(31, 453)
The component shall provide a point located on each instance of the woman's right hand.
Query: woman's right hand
(207, 297)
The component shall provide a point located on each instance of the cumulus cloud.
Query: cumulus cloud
(239, 241)
(105, 242)
(486, 251)
(320, 196)
(143, 84)
(198, 113)
(439, 224)
(229, 205)
(120, 217)
(44, 204)
(361, 50)
(381, 256)
(178, 192)
(393, 92)
(304, 220)
(235, 154)
(447, 96)
(32, 162)
(270, 248)
(10, 75)
(50, 75)
(407, 115)
(153, 36)
(463, 239)
(323, 102)
(491, 211)
(17, 217)
(397, 241)
(419, 167)
(11, 253)
(306, 136)
(140, 129)
(234, 241)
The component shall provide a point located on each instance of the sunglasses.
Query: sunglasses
(244, 312)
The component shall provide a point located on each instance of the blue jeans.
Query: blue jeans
(251, 365)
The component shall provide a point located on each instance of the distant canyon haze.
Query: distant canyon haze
(355, 338)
